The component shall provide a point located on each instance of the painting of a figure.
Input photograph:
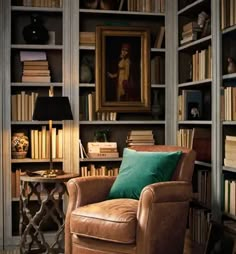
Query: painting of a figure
(124, 70)
(122, 76)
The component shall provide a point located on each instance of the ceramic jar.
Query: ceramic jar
(35, 32)
(19, 145)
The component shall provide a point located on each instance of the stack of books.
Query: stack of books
(87, 38)
(140, 137)
(35, 66)
(190, 32)
(36, 71)
(230, 148)
(102, 150)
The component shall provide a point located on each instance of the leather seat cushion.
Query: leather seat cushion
(113, 220)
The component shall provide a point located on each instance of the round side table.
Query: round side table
(47, 194)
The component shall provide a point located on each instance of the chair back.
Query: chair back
(185, 167)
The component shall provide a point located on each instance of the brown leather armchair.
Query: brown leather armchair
(155, 223)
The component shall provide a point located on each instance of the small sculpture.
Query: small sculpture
(231, 65)
(90, 4)
(35, 32)
(101, 135)
(107, 4)
(195, 113)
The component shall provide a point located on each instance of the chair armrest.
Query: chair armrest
(87, 190)
(172, 191)
(83, 191)
(163, 206)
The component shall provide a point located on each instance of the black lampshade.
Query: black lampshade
(52, 108)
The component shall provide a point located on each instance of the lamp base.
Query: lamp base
(51, 173)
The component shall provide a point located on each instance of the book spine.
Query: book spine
(103, 155)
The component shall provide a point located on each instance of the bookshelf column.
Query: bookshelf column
(67, 91)
(16, 17)
(171, 73)
(1, 130)
(216, 121)
(7, 124)
(75, 81)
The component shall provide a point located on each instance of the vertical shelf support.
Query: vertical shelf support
(171, 74)
(1, 119)
(216, 121)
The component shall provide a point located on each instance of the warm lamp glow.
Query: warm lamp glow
(52, 109)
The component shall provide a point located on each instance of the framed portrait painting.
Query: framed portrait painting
(122, 69)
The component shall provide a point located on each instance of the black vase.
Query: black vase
(35, 33)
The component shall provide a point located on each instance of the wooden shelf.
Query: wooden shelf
(29, 46)
(195, 43)
(229, 169)
(116, 12)
(229, 76)
(31, 84)
(191, 7)
(195, 83)
(202, 163)
(229, 30)
(139, 122)
(28, 160)
(34, 122)
(200, 122)
(100, 159)
(38, 9)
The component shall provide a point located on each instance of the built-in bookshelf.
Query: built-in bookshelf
(228, 102)
(119, 124)
(194, 106)
(32, 69)
(189, 68)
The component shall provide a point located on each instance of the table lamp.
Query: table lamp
(52, 109)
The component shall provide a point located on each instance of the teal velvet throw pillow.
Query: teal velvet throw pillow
(139, 169)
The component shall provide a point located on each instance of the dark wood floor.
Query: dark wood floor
(190, 247)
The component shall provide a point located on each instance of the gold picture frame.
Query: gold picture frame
(122, 69)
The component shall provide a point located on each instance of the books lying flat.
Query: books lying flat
(95, 147)
(32, 56)
(230, 163)
(232, 138)
(36, 62)
(35, 67)
(192, 37)
(87, 38)
(104, 155)
(140, 132)
(36, 78)
(230, 146)
(140, 137)
(191, 25)
(36, 72)
(144, 143)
